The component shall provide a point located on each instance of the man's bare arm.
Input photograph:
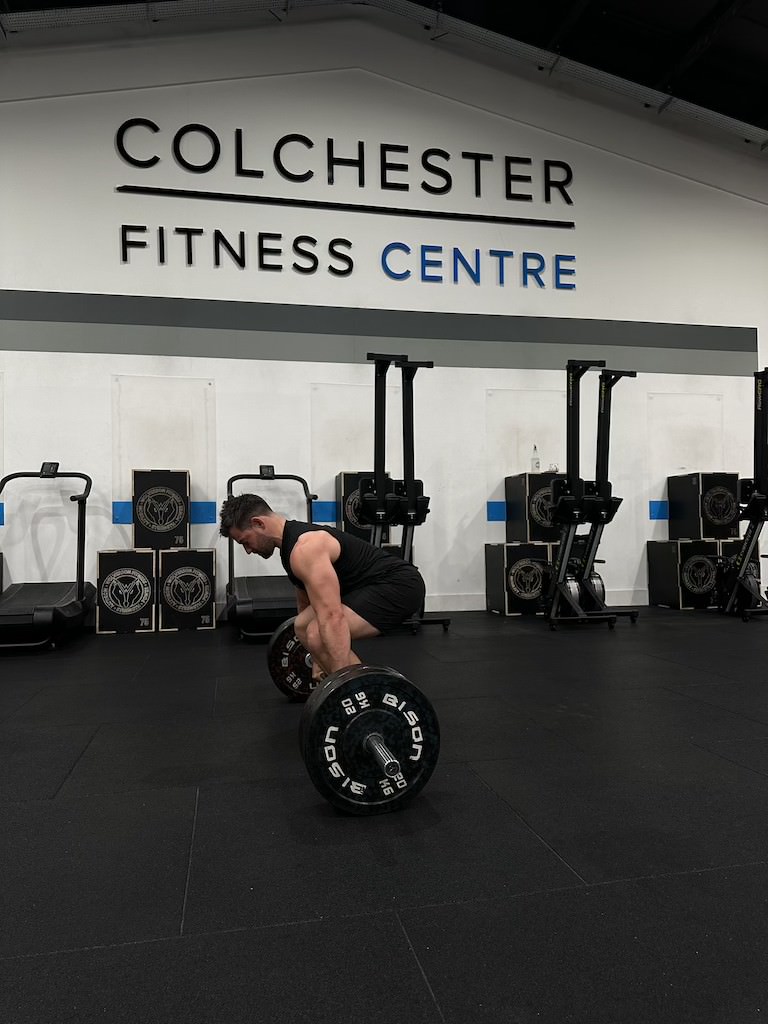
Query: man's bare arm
(311, 562)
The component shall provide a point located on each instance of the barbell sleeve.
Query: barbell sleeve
(374, 744)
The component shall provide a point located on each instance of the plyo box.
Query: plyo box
(160, 508)
(529, 507)
(186, 589)
(703, 506)
(681, 573)
(125, 591)
(514, 574)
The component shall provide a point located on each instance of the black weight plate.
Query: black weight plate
(340, 714)
(287, 662)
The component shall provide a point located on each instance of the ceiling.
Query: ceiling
(711, 54)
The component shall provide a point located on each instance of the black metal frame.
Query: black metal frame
(600, 506)
(405, 504)
(738, 591)
(50, 471)
(573, 596)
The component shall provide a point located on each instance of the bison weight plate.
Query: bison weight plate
(340, 718)
(289, 662)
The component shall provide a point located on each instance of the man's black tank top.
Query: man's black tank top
(358, 565)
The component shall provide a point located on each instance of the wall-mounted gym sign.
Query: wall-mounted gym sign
(464, 186)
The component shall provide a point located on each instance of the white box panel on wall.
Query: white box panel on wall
(515, 421)
(2, 427)
(342, 418)
(164, 422)
(685, 434)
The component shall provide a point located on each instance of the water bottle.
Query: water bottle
(535, 461)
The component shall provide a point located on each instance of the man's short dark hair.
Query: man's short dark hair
(238, 510)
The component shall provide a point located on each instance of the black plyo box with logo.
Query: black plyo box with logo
(514, 574)
(125, 592)
(703, 506)
(529, 507)
(348, 505)
(681, 573)
(186, 589)
(161, 508)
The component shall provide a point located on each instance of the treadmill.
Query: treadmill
(41, 615)
(257, 605)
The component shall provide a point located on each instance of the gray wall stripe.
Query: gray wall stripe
(65, 322)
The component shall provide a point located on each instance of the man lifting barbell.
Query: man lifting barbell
(369, 737)
(346, 589)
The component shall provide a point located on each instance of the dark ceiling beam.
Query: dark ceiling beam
(565, 26)
(707, 31)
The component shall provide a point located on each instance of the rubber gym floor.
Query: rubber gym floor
(591, 847)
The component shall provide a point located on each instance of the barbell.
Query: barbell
(368, 736)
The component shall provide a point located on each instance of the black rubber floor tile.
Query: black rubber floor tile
(331, 972)
(245, 693)
(480, 728)
(35, 761)
(14, 694)
(605, 719)
(91, 872)
(277, 852)
(150, 698)
(232, 749)
(662, 951)
(612, 818)
(469, 650)
(746, 696)
(749, 753)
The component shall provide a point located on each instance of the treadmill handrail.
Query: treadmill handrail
(55, 476)
(276, 476)
(81, 500)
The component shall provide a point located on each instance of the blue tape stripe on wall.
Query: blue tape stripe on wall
(658, 510)
(496, 511)
(325, 512)
(122, 512)
(202, 512)
(2, 514)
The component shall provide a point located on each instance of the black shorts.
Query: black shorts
(388, 604)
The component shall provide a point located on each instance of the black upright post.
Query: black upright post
(574, 372)
(380, 422)
(761, 433)
(382, 363)
(737, 587)
(416, 505)
(600, 505)
(607, 381)
(568, 494)
(80, 548)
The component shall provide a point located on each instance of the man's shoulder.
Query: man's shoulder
(314, 541)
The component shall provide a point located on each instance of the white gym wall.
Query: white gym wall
(669, 229)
